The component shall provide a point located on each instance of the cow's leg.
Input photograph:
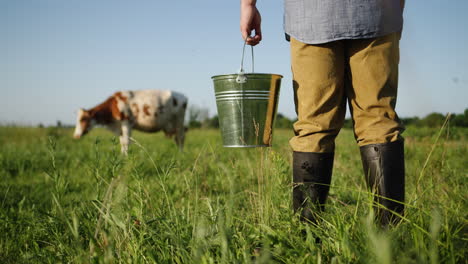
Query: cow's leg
(180, 136)
(125, 137)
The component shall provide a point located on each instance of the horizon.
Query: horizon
(72, 124)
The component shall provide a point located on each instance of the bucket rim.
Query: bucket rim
(234, 75)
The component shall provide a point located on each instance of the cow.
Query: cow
(143, 110)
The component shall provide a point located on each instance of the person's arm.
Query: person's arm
(250, 20)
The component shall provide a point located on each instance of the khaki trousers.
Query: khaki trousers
(363, 72)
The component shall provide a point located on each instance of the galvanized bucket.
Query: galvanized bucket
(247, 105)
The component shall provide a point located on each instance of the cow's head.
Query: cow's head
(84, 123)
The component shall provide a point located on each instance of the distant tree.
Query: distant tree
(415, 121)
(283, 122)
(433, 120)
(193, 113)
(59, 123)
(197, 116)
(348, 123)
(211, 122)
(194, 124)
(460, 120)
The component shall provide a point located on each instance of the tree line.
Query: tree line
(199, 118)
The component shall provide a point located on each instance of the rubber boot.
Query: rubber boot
(384, 168)
(311, 183)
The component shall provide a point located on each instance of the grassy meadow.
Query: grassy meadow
(67, 201)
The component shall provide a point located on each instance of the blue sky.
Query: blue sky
(57, 56)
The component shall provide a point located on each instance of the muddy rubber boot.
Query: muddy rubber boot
(311, 183)
(384, 168)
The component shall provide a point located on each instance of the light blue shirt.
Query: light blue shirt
(322, 21)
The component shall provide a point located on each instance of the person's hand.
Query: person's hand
(250, 20)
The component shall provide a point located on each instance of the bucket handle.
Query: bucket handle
(241, 78)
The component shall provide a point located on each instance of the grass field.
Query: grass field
(67, 201)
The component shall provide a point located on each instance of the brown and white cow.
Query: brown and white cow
(144, 110)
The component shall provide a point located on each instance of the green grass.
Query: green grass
(65, 201)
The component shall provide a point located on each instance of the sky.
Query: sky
(57, 56)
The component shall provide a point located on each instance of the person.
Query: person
(342, 51)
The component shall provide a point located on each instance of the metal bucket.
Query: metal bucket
(247, 104)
